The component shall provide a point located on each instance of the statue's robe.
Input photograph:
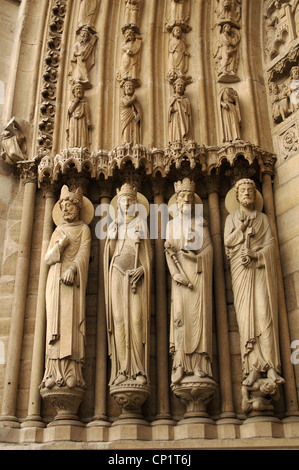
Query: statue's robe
(191, 309)
(255, 291)
(65, 305)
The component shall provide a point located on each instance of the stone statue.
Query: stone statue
(130, 114)
(179, 114)
(83, 57)
(280, 102)
(229, 11)
(227, 53)
(127, 274)
(190, 261)
(79, 124)
(87, 12)
(13, 143)
(189, 255)
(68, 260)
(294, 88)
(130, 60)
(178, 13)
(132, 13)
(250, 247)
(178, 55)
(230, 115)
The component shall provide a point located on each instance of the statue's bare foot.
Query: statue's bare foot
(252, 377)
(272, 374)
(177, 376)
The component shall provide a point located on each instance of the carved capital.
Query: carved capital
(27, 171)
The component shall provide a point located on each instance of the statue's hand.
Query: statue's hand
(180, 279)
(68, 277)
(63, 242)
(250, 253)
(136, 274)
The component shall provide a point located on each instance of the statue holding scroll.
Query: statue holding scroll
(189, 255)
(250, 247)
(127, 271)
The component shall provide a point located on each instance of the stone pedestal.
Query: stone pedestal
(195, 393)
(130, 396)
(66, 401)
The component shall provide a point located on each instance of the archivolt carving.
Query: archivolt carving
(50, 73)
(226, 49)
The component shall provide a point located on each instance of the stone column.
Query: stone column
(11, 380)
(38, 355)
(227, 408)
(163, 408)
(100, 408)
(291, 401)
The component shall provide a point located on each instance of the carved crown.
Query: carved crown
(127, 190)
(185, 185)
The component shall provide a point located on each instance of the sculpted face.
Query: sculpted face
(129, 89)
(185, 200)
(246, 194)
(179, 87)
(125, 203)
(70, 211)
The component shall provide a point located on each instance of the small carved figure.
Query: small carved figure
(189, 255)
(280, 102)
(250, 247)
(229, 11)
(127, 273)
(230, 115)
(83, 57)
(132, 13)
(68, 258)
(294, 88)
(227, 53)
(179, 114)
(79, 124)
(130, 114)
(179, 13)
(260, 395)
(178, 55)
(13, 143)
(130, 61)
(87, 12)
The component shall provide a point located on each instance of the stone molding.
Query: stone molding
(153, 160)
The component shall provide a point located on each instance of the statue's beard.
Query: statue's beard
(247, 201)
